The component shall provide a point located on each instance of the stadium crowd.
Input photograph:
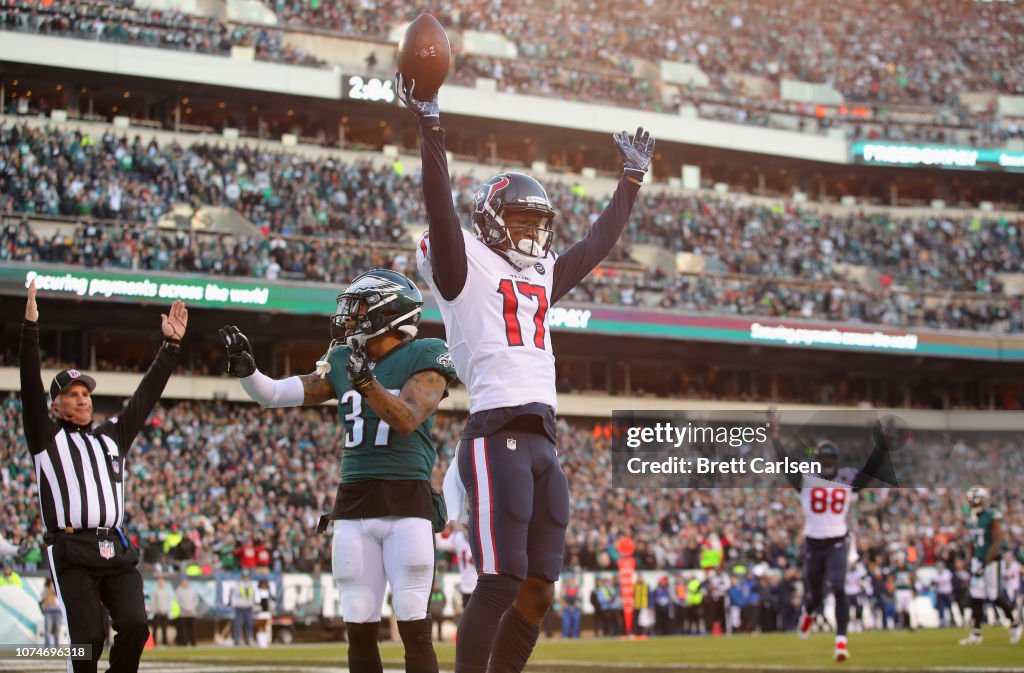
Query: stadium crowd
(172, 29)
(727, 40)
(229, 486)
(327, 220)
(862, 58)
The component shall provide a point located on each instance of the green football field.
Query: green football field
(923, 650)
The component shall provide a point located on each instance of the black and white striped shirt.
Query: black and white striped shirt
(80, 470)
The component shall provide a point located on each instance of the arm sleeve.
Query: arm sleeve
(581, 258)
(6, 548)
(270, 393)
(454, 491)
(126, 426)
(447, 248)
(38, 426)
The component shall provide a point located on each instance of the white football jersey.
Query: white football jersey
(1011, 577)
(944, 581)
(458, 544)
(826, 504)
(855, 580)
(498, 328)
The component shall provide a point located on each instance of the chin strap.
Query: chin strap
(323, 367)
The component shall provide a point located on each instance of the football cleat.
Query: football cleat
(806, 622)
(841, 653)
(972, 639)
(1015, 633)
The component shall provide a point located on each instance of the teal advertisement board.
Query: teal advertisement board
(938, 156)
(318, 299)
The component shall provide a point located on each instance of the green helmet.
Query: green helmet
(393, 302)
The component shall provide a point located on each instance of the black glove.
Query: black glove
(428, 111)
(24, 548)
(240, 359)
(636, 153)
(359, 372)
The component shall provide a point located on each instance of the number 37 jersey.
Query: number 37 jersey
(497, 328)
(826, 504)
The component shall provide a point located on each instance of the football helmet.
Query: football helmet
(827, 454)
(978, 496)
(393, 302)
(504, 194)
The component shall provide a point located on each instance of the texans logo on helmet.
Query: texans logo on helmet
(491, 190)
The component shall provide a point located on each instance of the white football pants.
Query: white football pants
(369, 553)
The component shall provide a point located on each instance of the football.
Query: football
(424, 55)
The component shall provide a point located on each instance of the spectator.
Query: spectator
(188, 607)
(160, 605)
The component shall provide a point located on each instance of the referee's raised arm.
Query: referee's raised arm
(39, 429)
(127, 424)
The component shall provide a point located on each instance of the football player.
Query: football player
(454, 540)
(495, 287)
(388, 385)
(985, 525)
(826, 499)
(905, 577)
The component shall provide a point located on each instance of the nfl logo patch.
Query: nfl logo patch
(106, 549)
(74, 373)
(511, 443)
(116, 466)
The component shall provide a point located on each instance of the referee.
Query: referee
(81, 478)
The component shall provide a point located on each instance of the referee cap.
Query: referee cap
(64, 379)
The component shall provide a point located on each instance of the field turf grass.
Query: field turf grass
(923, 650)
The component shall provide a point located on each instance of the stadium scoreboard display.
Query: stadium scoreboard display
(370, 89)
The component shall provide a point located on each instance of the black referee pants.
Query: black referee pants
(83, 595)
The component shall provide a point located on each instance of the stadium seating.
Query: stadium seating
(328, 220)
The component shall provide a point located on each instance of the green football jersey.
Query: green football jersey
(371, 448)
(980, 524)
(904, 577)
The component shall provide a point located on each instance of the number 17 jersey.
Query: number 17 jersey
(497, 328)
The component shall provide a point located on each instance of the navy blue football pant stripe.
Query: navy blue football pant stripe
(518, 504)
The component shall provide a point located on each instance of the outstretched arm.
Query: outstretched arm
(125, 426)
(294, 391)
(583, 256)
(775, 434)
(38, 427)
(446, 247)
(887, 437)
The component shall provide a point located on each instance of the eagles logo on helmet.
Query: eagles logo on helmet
(507, 193)
(393, 302)
(978, 497)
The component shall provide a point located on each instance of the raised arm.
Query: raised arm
(447, 249)
(887, 437)
(38, 426)
(127, 424)
(307, 390)
(584, 255)
(775, 434)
